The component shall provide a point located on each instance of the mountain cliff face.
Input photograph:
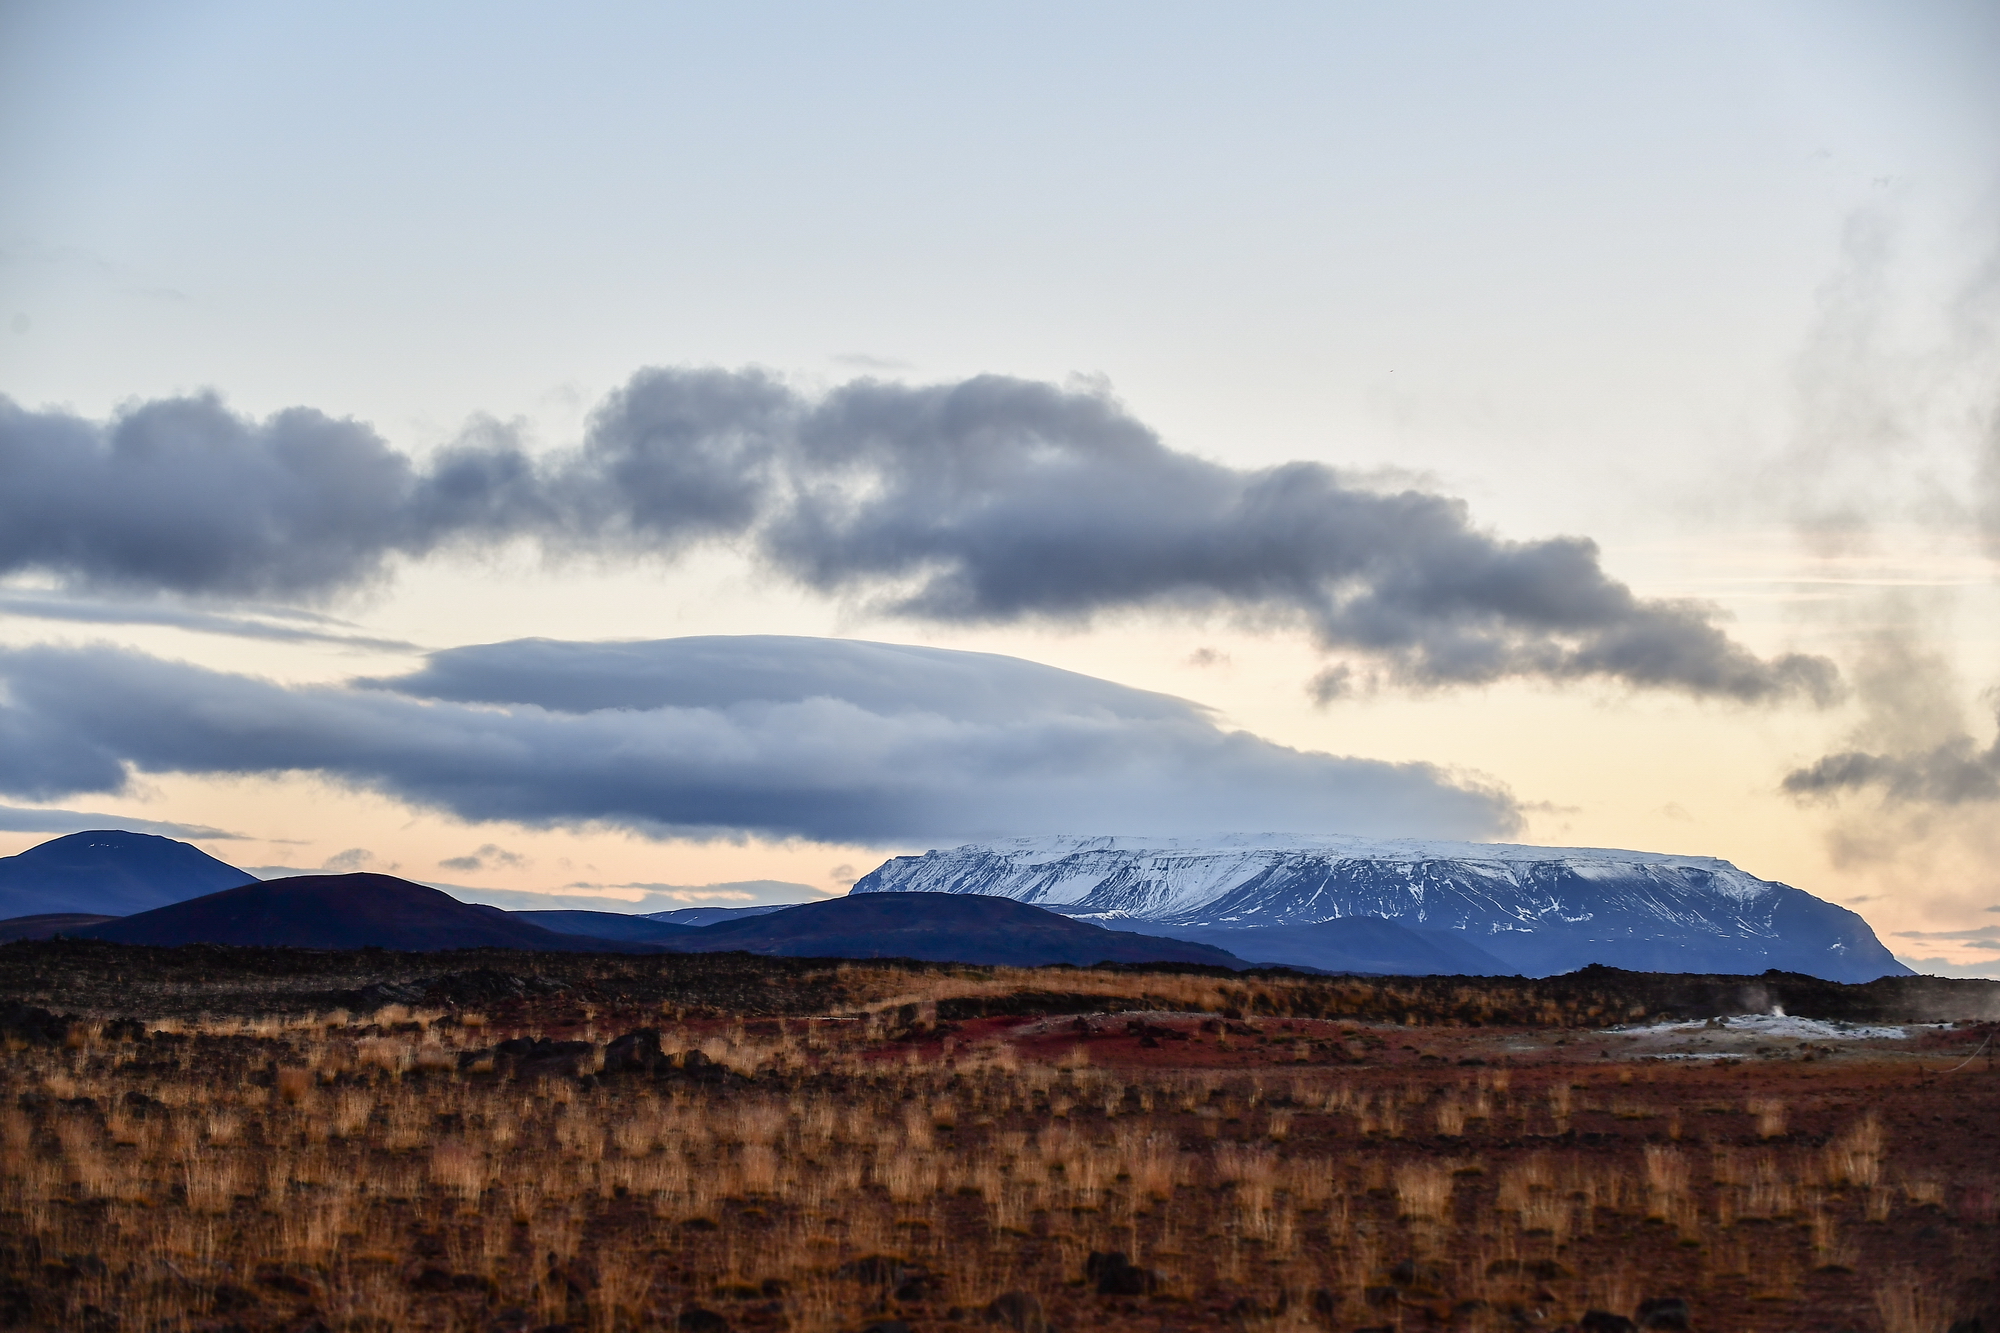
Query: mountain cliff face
(1541, 910)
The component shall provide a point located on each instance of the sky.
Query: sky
(667, 454)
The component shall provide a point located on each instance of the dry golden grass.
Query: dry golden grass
(367, 1176)
(1770, 1113)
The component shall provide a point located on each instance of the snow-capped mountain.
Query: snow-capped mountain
(1541, 910)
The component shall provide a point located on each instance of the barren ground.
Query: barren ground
(355, 1141)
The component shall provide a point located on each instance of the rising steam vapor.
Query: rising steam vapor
(1893, 428)
(1987, 490)
(988, 500)
(825, 739)
(1914, 745)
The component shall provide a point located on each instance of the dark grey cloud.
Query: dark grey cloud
(1955, 772)
(989, 500)
(996, 499)
(776, 737)
(182, 495)
(23, 819)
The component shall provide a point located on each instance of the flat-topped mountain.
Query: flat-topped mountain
(109, 872)
(1538, 910)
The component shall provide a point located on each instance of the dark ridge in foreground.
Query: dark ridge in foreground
(945, 928)
(101, 978)
(357, 911)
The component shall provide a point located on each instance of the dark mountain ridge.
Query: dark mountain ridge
(48, 925)
(606, 925)
(366, 910)
(355, 911)
(943, 928)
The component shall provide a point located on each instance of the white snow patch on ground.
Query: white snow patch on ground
(1778, 1027)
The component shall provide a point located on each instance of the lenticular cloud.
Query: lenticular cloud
(828, 740)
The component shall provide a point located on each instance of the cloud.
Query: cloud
(650, 898)
(490, 854)
(349, 861)
(181, 495)
(1898, 399)
(997, 499)
(1940, 967)
(987, 500)
(1954, 773)
(22, 819)
(40, 606)
(1905, 424)
(1989, 934)
(828, 740)
(1913, 746)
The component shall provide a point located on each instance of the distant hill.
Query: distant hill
(47, 925)
(709, 916)
(1364, 944)
(344, 912)
(944, 928)
(607, 925)
(109, 872)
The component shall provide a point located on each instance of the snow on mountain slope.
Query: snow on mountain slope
(1541, 909)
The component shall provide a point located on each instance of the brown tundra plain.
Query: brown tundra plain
(263, 1140)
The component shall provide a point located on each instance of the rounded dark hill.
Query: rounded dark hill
(605, 925)
(109, 872)
(943, 928)
(344, 912)
(48, 925)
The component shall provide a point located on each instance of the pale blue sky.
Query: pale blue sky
(1284, 230)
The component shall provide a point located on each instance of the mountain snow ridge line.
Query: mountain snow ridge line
(1540, 909)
